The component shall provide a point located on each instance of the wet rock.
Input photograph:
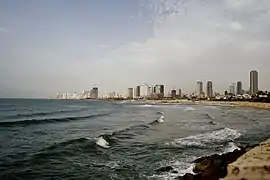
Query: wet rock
(187, 176)
(164, 169)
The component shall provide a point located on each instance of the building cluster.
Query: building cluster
(86, 94)
(235, 89)
(146, 91)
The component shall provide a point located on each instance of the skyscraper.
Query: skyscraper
(138, 91)
(180, 93)
(162, 91)
(254, 84)
(239, 88)
(232, 89)
(199, 88)
(130, 93)
(209, 89)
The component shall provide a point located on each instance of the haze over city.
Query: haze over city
(52, 46)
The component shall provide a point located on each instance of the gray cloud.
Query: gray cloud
(196, 42)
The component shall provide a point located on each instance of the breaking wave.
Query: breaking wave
(203, 140)
(102, 142)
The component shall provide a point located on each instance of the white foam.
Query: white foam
(189, 109)
(161, 119)
(205, 139)
(231, 147)
(180, 166)
(211, 107)
(147, 105)
(112, 164)
(102, 142)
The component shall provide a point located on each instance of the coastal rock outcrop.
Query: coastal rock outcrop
(215, 166)
(255, 164)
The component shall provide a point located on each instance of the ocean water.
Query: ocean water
(72, 139)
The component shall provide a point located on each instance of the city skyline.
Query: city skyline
(159, 91)
(68, 47)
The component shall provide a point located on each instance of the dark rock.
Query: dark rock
(187, 176)
(164, 169)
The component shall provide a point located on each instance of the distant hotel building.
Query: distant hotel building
(239, 88)
(209, 89)
(254, 84)
(94, 93)
(130, 93)
(199, 88)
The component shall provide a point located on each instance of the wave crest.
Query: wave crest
(49, 120)
(203, 140)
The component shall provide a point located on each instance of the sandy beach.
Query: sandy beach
(245, 104)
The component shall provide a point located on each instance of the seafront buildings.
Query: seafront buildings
(254, 82)
(147, 91)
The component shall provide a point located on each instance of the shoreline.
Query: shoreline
(244, 104)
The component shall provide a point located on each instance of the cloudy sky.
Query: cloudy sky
(52, 46)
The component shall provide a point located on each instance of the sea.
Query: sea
(100, 140)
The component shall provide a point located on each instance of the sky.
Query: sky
(50, 46)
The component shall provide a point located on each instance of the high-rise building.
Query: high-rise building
(138, 91)
(209, 89)
(254, 84)
(199, 88)
(180, 93)
(162, 90)
(232, 89)
(94, 93)
(173, 93)
(239, 88)
(130, 93)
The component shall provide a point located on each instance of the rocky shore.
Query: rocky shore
(249, 162)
